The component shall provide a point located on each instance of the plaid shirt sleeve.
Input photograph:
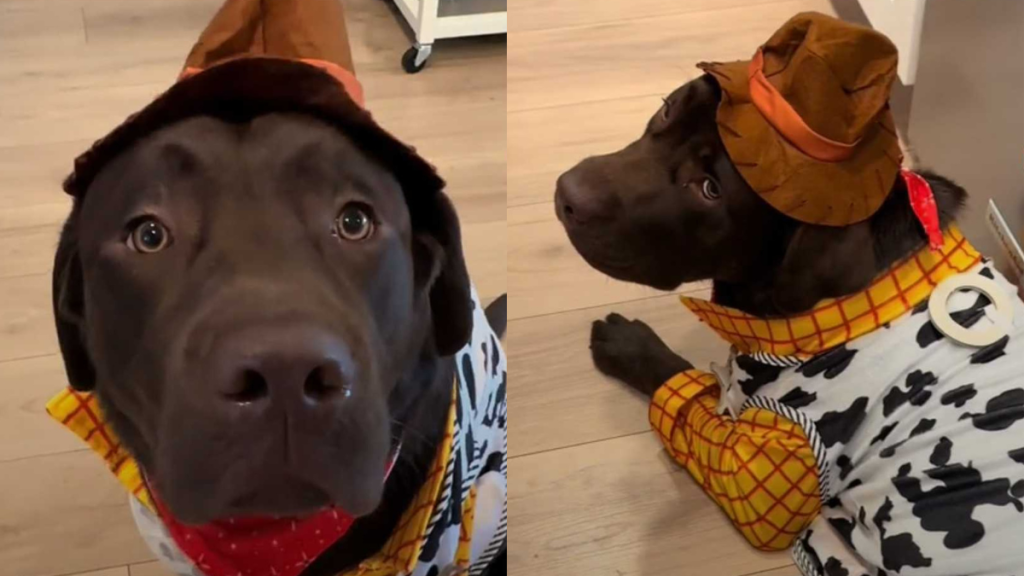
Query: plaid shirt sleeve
(759, 468)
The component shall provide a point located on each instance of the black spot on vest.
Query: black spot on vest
(991, 352)
(925, 425)
(845, 466)
(834, 567)
(831, 363)
(760, 374)
(798, 398)
(862, 517)
(929, 334)
(495, 357)
(494, 462)
(900, 551)
(854, 483)
(470, 378)
(884, 433)
(1001, 412)
(950, 508)
(495, 406)
(812, 555)
(942, 452)
(959, 396)
(844, 528)
(1017, 455)
(838, 427)
(1018, 489)
(917, 393)
(987, 273)
(883, 516)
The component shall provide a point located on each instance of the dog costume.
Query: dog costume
(293, 55)
(855, 433)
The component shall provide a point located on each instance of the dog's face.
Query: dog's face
(670, 207)
(245, 300)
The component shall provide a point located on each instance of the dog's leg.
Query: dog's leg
(630, 351)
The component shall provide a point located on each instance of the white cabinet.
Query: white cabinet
(903, 22)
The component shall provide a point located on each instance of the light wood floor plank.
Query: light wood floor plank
(27, 25)
(30, 182)
(69, 515)
(26, 312)
(620, 508)
(120, 571)
(544, 143)
(545, 15)
(59, 116)
(787, 571)
(25, 429)
(484, 245)
(546, 275)
(642, 57)
(157, 569)
(27, 251)
(565, 401)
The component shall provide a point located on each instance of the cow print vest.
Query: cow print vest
(919, 443)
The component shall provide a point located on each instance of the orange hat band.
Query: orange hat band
(344, 77)
(787, 121)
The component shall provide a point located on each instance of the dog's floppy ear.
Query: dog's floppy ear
(824, 262)
(441, 269)
(69, 310)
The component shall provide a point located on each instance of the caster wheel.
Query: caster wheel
(415, 58)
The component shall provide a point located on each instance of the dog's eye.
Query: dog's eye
(149, 236)
(710, 189)
(355, 222)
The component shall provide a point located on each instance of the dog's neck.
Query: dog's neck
(895, 232)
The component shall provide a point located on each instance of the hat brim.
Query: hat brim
(809, 190)
(242, 89)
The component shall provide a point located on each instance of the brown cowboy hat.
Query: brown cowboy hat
(807, 120)
(258, 57)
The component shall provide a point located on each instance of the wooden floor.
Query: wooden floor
(71, 70)
(591, 492)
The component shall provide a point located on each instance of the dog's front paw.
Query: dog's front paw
(630, 351)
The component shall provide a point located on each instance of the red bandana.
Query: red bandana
(922, 200)
(259, 546)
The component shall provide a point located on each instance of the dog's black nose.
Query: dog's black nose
(577, 203)
(297, 368)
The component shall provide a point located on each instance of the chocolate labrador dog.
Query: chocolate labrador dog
(671, 208)
(264, 321)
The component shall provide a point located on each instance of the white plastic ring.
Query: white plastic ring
(938, 308)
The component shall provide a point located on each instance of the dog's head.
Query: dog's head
(671, 208)
(246, 300)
